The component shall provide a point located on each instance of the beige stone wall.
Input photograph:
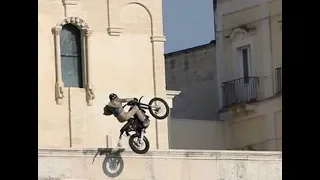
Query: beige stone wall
(125, 56)
(244, 16)
(161, 165)
(196, 134)
(260, 129)
(193, 72)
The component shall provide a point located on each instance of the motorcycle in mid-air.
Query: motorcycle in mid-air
(135, 128)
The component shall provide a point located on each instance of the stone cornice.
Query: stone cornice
(171, 94)
(115, 31)
(168, 154)
(70, 2)
(158, 39)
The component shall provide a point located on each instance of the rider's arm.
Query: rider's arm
(125, 100)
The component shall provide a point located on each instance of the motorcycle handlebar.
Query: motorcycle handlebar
(130, 103)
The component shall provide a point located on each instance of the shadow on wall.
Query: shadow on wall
(113, 163)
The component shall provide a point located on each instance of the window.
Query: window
(245, 54)
(245, 65)
(71, 56)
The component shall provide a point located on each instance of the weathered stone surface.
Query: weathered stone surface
(160, 165)
(193, 72)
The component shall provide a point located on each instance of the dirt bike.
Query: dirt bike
(138, 142)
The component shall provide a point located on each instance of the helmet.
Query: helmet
(112, 96)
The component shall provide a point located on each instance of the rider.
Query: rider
(117, 110)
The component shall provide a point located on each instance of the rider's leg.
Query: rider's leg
(122, 118)
(142, 118)
(126, 116)
(122, 130)
(135, 110)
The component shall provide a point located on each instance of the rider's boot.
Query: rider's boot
(119, 141)
(119, 144)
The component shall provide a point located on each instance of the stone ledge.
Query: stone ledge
(115, 31)
(168, 154)
(87, 163)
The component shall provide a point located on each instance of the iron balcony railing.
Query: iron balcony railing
(279, 80)
(242, 90)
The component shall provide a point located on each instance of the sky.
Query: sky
(187, 23)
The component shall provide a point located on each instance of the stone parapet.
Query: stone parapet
(158, 165)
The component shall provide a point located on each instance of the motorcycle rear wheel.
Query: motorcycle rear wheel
(153, 111)
(134, 147)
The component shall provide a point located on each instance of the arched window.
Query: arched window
(73, 67)
(71, 56)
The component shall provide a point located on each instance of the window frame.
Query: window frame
(86, 33)
(240, 38)
(248, 62)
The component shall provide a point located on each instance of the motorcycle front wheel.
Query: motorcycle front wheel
(139, 148)
(158, 108)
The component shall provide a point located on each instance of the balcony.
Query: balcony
(278, 80)
(238, 91)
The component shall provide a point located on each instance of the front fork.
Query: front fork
(143, 131)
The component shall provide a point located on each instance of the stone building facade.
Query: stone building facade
(192, 71)
(88, 49)
(249, 77)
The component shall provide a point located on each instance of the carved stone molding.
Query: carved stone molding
(170, 94)
(115, 31)
(88, 32)
(59, 93)
(85, 45)
(59, 83)
(70, 2)
(56, 31)
(243, 109)
(158, 39)
(242, 30)
(80, 23)
(90, 96)
(114, 8)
